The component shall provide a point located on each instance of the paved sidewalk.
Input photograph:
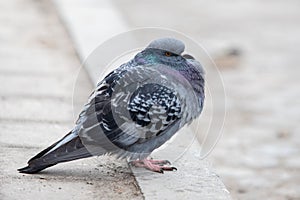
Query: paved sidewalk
(38, 68)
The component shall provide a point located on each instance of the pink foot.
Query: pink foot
(154, 165)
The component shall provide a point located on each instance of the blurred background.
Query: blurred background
(254, 43)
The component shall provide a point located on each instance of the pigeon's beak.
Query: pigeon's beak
(188, 56)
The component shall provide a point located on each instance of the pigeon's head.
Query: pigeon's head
(168, 46)
(167, 51)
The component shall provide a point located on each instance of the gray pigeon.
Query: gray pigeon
(134, 110)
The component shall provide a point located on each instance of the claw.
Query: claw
(167, 168)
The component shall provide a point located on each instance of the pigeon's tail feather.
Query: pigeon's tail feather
(68, 148)
(33, 169)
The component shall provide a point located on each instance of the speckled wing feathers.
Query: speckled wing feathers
(127, 108)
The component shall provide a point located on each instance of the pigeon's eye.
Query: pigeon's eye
(168, 53)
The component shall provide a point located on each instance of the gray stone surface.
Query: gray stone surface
(38, 68)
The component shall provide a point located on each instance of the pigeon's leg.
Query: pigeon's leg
(137, 163)
(153, 165)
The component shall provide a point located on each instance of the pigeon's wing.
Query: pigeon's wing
(153, 108)
(128, 107)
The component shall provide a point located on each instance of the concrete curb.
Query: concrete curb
(92, 22)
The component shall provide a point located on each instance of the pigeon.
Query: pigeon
(134, 110)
